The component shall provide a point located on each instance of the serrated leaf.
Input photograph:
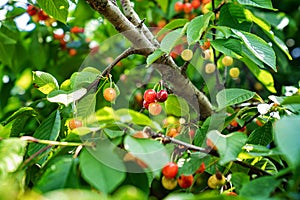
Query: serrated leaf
(147, 150)
(231, 47)
(57, 175)
(83, 78)
(46, 82)
(262, 135)
(232, 96)
(60, 96)
(259, 188)
(267, 4)
(260, 48)
(170, 40)
(113, 133)
(25, 111)
(12, 151)
(100, 175)
(176, 23)
(176, 106)
(154, 56)
(48, 130)
(229, 146)
(234, 16)
(286, 137)
(56, 8)
(197, 26)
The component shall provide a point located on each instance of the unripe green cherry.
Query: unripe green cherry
(227, 60)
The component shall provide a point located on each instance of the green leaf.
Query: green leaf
(163, 4)
(231, 47)
(259, 188)
(287, 138)
(170, 40)
(262, 135)
(229, 146)
(228, 97)
(267, 165)
(82, 194)
(83, 78)
(99, 174)
(154, 56)
(60, 96)
(260, 48)
(176, 106)
(12, 151)
(131, 116)
(113, 133)
(152, 152)
(239, 179)
(86, 106)
(263, 76)
(234, 16)
(267, 4)
(56, 8)
(197, 26)
(291, 100)
(48, 130)
(57, 175)
(22, 112)
(46, 82)
(176, 23)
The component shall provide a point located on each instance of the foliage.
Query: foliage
(120, 147)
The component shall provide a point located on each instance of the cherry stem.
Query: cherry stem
(52, 143)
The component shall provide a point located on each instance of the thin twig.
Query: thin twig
(35, 155)
(50, 142)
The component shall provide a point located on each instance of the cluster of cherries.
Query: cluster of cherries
(63, 39)
(38, 15)
(187, 7)
(152, 99)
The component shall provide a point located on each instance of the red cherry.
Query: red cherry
(42, 15)
(162, 96)
(196, 4)
(178, 6)
(185, 181)
(201, 168)
(188, 8)
(32, 10)
(170, 170)
(150, 95)
(146, 104)
(77, 29)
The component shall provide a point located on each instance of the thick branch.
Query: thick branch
(166, 66)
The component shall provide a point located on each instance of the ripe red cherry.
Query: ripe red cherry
(196, 4)
(77, 29)
(170, 170)
(162, 96)
(178, 6)
(42, 15)
(185, 181)
(150, 95)
(201, 168)
(74, 123)
(154, 108)
(188, 8)
(32, 10)
(146, 104)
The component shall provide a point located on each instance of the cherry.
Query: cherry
(210, 144)
(178, 6)
(227, 60)
(201, 168)
(206, 54)
(58, 36)
(162, 96)
(77, 29)
(74, 123)
(150, 95)
(234, 72)
(170, 170)
(172, 132)
(210, 68)
(196, 4)
(187, 54)
(146, 104)
(42, 15)
(161, 23)
(168, 183)
(234, 123)
(185, 181)
(109, 94)
(72, 52)
(205, 45)
(32, 10)
(154, 108)
(216, 180)
(188, 8)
